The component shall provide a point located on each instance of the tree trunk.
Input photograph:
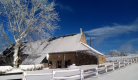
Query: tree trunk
(16, 54)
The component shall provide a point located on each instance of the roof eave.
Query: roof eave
(91, 48)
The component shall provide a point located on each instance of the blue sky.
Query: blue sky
(113, 24)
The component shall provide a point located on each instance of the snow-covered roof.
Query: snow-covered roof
(56, 44)
(65, 43)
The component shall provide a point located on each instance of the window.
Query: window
(50, 62)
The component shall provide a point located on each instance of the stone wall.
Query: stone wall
(101, 59)
(54, 57)
(77, 58)
(85, 59)
(45, 65)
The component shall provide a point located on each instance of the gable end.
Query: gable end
(83, 39)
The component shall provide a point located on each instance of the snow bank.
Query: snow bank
(31, 67)
(4, 69)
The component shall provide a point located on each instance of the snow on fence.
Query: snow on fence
(58, 71)
(66, 77)
(95, 70)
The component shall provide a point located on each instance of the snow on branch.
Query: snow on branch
(27, 20)
(25, 17)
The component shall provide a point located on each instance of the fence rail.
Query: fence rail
(96, 71)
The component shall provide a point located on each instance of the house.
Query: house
(60, 52)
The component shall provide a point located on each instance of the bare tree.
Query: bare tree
(27, 20)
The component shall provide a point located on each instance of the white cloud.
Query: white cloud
(133, 40)
(64, 7)
(136, 52)
(129, 46)
(112, 31)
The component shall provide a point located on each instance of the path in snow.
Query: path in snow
(127, 73)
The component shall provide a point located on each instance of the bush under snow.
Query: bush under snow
(115, 53)
(4, 69)
(31, 67)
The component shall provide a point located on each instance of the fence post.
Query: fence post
(124, 63)
(24, 76)
(128, 62)
(113, 67)
(119, 65)
(53, 72)
(106, 69)
(97, 72)
(82, 74)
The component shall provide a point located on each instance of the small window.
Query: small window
(50, 62)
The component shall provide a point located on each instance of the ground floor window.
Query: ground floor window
(50, 62)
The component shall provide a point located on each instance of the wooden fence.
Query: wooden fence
(108, 68)
(101, 69)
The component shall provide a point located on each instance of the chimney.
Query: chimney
(81, 31)
(90, 41)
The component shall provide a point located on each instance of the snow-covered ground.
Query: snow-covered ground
(129, 72)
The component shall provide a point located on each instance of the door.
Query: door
(59, 64)
(67, 63)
